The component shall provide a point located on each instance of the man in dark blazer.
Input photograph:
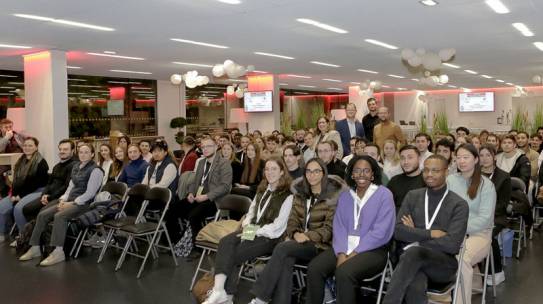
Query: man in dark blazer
(349, 127)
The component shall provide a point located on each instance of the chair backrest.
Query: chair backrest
(157, 200)
(234, 202)
(135, 198)
(517, 184)
(116, 188)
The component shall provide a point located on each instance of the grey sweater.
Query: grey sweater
(452, 219)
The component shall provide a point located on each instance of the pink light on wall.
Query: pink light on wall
(117, 93)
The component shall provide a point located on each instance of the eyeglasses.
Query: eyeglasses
(433, 171)
(313, 172)
(365, 171)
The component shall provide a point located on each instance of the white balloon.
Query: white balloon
(230, 90)
(218, 70)
(537, 79)
(228, 63)
(176, 79)
(415, 61)
(206, 79)
(372, 84)
(435, 80)
(199, 80)
(361, 92)
(229, 67)
(191, 84)
(427, 73)
(420, 51)
(407, 54)
(378, 85)
(240, 70)
(239, 93)
(443, 79)
(250, 68)
(446, 54)
(431, 61)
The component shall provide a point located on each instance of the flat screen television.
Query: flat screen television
(258, 101)
(476, 102)
(115, 107)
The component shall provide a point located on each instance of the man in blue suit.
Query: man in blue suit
(349, 127)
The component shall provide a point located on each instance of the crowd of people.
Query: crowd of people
(343, 199)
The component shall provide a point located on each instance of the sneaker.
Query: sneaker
(498, 277)
(13, 244)
(216, 297)
(55, 257)
(32, 253)
(99, 242)
(91, 241)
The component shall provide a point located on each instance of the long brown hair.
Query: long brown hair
(250, 168)
(476, 179)
(284, 180)
(101, 158)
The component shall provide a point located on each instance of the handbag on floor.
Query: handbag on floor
(202, 288)
(183, 248)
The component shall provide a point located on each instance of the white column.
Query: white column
(170, 104)
(46, 100)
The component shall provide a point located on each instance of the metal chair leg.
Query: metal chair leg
(149, 250)
(76, 243)
(170, 245)
(123, 254)
(493, 272)
(106, 245)
(85, 232)
(204, 252)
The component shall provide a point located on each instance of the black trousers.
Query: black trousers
(31, 210)
(417, 265)
(233, 252)
(275, 281)
(349, 275)
(496, 249)
(194, 212)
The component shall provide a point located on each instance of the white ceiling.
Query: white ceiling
(485, 41)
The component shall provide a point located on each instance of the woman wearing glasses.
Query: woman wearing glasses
(363, 226)
(309, 232)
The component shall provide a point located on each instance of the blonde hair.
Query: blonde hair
(396, 157)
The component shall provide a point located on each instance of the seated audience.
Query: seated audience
(462, 132)
(432, 225)
(475, 141)
(10, 142)
(494, 140)
(299, 136)
(134, 172)
(123, 142)
(352, 149)
(391, 159)
(251, 175)
(293, 158)
(309, 232)
(310, 151)
(513, 161)
(423, 142)
(244, 141)
(121, 159)
(272, 148)
(326, 153)
(325, 133)
(482, 137)
(105, 160)
(262, 229)
(162, 171)
(85, 181)
(410, 179)
(29, 178)
(145, 148)
(533, 156)
(445, 148)
(362, 227)
(227, 152)
(374, 152)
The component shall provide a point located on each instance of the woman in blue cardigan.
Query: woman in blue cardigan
(363, 226)
(134, 172)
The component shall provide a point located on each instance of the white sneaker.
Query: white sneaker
(91, 241)
(32, 253)
(13, 244)
(498, 277)
(54, 257)
(216, 297)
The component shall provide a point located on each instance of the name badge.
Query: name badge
(200, 190)
(352, 243)
(249, 232)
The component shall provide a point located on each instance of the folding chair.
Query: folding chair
(134, 203)
(456, 285)
(386, 273)
(230, 202)
(152, 231)
(489, 260)
(115, 189)
(520, 231)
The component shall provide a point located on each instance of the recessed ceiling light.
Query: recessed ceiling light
(298, 76)
(450, 65)
(336, 89)
(428, 2)
(497, 6)
(124, 82)
(452, 86)
(368, 71)
(199, 43)
(273, 55)
(415, 79)
(66, 22)
(85, 86)
(7, 88)
(385, 86)
(9, 76)
(471, 72)
(110, 52)
(116, 56)
(131, 72)
(402, 89)
(354, 82)
(16, 83)
(499, 80)
(306, 86)
(539, 45)
(523, 29)
(100, 91)
(395, 76)
(486, 76)
(194, 64)
(511, 84)
(380, 43)
(230, 1)
(323, 26)
(331, 80)
(73, 67)
(283, 84)
(12, 46)
(325, 64)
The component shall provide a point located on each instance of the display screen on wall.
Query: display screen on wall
(115, 107)
(476, 102)
(258, 101)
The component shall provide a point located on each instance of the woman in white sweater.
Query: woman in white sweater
(324, 133)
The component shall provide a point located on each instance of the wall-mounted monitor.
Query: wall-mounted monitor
(258, 101)
(476, 102)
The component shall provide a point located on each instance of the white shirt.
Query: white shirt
(170, 172)
(347, 159)
(507, 163)
(423, 157)
(106, 166)
(278, 226)
(352, 127)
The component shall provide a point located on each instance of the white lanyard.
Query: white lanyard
(204, 177)
(426, 222)
(307, 212)
(260, 210)
(360, 203)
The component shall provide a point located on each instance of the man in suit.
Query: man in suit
(349, 128)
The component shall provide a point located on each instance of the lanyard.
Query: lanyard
(308, 205)
(260, 210)
(426, 222)
(204, 177)
(358, 203)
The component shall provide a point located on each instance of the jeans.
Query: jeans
(275, 281)
(7, 208)
(349, 275)
(417, 265)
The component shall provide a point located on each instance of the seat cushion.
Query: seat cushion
(123, 221)
(206, 245)
(140, 228)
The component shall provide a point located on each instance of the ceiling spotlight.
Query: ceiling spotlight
(428, 2)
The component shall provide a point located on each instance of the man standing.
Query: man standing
(370, 120)
(423, 142)
(386, 129)
(432, 222)
(411, 178)
(299, 136)
(349, 128)
(327, 153)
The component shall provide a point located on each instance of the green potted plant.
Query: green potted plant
(441, 123)
(178, 123)
(519, 122)
(538, 118)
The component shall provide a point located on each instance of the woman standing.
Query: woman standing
(267, 217)
(227, 152)
(480, 194)
(309, 232)
(324, 133)
(134, 171)
(29, 179)
(105, 160)
(363, 225)
(391, 159)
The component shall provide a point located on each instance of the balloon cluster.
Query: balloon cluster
(430, 62)
(237, 90)
(537, 79)
(191, 78)
(231, 69)
(367, 88)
